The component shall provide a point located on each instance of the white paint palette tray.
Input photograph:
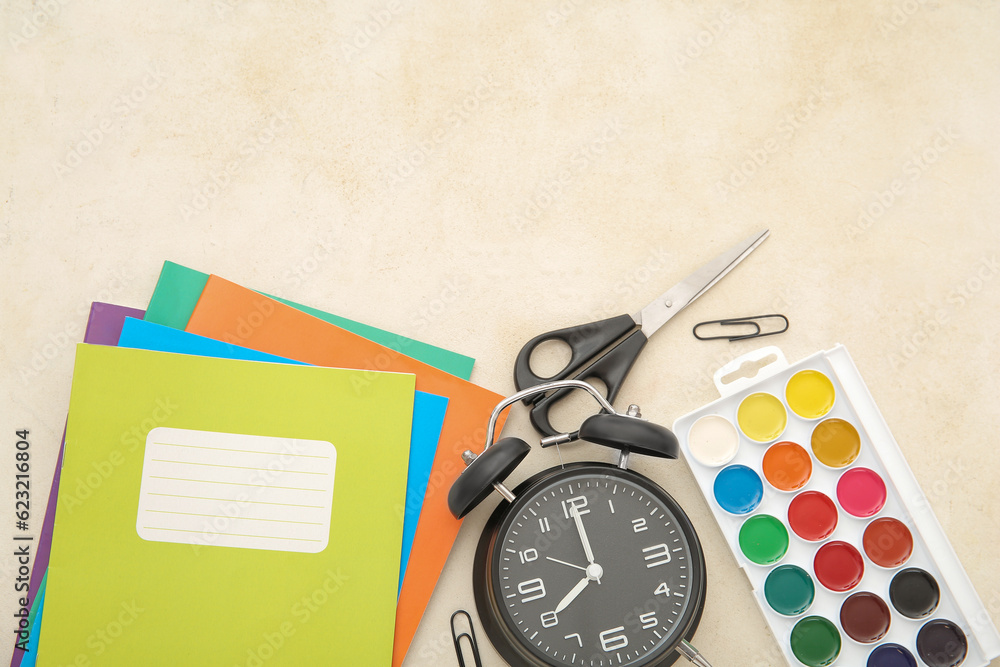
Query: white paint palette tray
(847, 561)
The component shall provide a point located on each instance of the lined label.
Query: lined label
(232, 490)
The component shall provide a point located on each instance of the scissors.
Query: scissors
(607, 349)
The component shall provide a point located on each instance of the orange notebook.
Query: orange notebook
(229, 312)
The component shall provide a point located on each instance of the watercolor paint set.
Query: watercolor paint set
(847, 561)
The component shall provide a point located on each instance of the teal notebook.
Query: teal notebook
(179, 288)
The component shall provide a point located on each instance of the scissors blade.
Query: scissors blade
(675, 299)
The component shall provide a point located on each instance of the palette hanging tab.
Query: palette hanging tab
(847, 561)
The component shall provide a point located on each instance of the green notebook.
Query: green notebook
(221, 513)
(179, 288)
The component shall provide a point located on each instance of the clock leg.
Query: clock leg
(691, 653)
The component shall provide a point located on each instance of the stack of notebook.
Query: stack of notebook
(246, 481)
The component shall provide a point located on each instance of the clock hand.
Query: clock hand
(583, 534)
(576, 590)
(594, 573)
(562, 562)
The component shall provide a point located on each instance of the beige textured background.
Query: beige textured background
(472, 174)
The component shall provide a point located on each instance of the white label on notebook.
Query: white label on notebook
(230, 490)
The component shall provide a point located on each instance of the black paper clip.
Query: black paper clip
(470, 635)
(753, 321)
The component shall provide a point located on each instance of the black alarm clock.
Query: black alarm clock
(584, 564)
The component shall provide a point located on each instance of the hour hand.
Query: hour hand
(576, 590)
(594, 573)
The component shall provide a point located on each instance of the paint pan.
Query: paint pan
(789, 590)
(810, 394)
(738, 489)
(836, 443)
(812, 516)
(915, 593)
(861, 492)
(849, 567)
(763, 539)
(787, 466)
(891, 655)
(713, 441)
(865, 617)
(815, 641)
(888, 542)
(838, 566)
(761, 417)
(942, 644)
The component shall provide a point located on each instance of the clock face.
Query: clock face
(591, 566)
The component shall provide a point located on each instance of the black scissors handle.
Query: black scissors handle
(586, 342)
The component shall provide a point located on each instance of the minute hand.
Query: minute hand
(583, 533)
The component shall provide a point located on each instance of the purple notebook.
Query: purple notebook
(103, 328)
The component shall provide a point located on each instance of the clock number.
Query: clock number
(549, 619)
(659, 554)
(578, 638)
(638, 525)
(534, 589)
(648, 620)
(662, 588)
(613, 642)
(543, 524)
(528, 555)
(579, 502)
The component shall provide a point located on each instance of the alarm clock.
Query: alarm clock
(584, 564)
